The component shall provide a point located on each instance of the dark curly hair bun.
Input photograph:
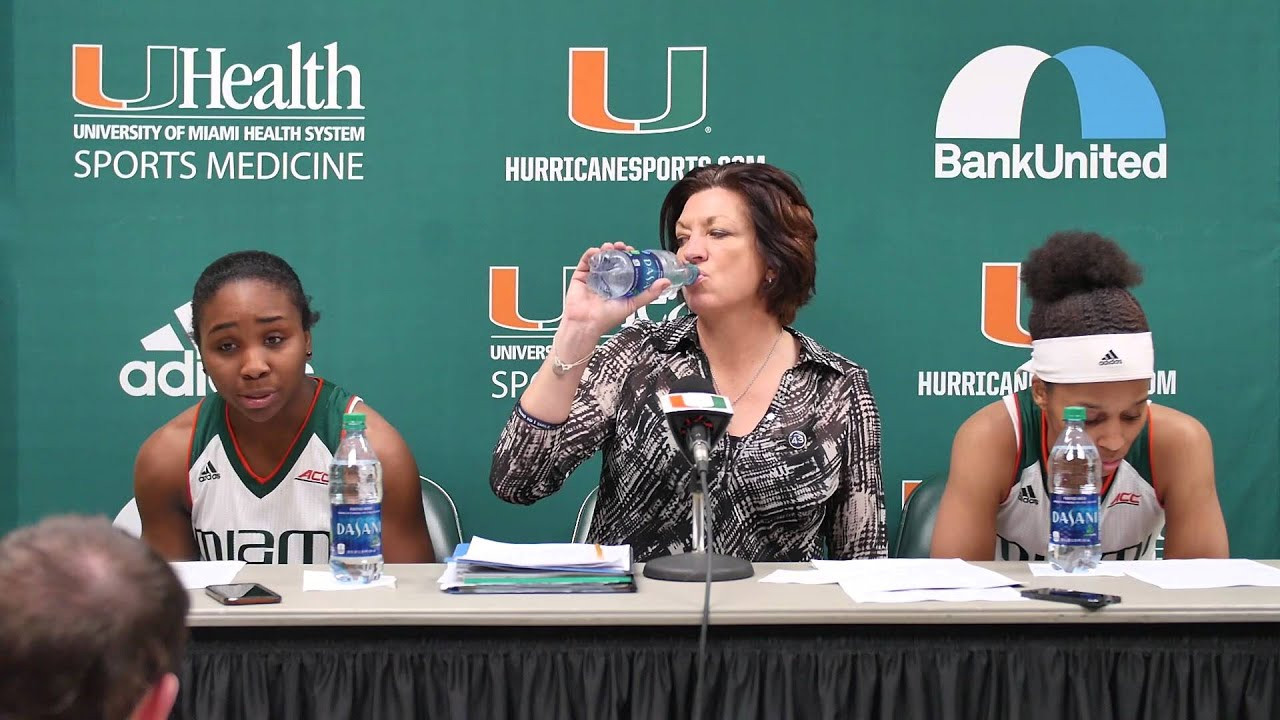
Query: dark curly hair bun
(1075, 262)
(1079, 284)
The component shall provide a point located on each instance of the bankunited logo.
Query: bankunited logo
(589, 93)
(985, 101)
(178, 377)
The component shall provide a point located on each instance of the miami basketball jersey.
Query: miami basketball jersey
(282, 517)
(1132, 518)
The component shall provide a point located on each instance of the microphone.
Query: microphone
(697, 418)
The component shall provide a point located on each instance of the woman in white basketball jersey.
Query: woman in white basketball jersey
(244, 474)
(1091, 347)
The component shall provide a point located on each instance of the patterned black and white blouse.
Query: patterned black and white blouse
(805, 483)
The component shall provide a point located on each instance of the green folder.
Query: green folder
(548, 580)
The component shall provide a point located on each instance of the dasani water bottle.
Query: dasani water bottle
(355, 503)
(1075, 475)
(621, 274)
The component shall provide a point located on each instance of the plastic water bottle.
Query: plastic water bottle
(620, 274)
(1075, 474)
(355, 504)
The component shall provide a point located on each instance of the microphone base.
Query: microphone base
(692, 567)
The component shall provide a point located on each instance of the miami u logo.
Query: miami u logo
(162, 79)
(1002, 305)
(589, 92)
(504, 300)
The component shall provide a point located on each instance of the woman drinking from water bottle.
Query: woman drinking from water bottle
(243, 474)
(1091, 347)
(798, 474)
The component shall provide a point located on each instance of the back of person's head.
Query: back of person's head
(1078, 284)
(92, 624)
(782, 218)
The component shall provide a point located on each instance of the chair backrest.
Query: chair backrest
(128, 518)
(443, 524)
(915, 531)
(585, 513)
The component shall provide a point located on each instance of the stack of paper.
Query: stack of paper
(486, 567)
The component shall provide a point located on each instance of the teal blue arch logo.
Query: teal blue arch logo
(1116, 98)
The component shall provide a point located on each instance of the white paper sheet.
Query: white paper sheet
(321, 580)
(1104, 569)
(1003, 594)
(911, 574)
(800, 577)
(449, 578)
(199, 574)
(1203, 573)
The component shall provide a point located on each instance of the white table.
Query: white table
(774, 651)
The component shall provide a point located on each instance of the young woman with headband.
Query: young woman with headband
(1091, 347)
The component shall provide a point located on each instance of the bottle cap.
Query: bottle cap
(353, 421)
(1074, 413)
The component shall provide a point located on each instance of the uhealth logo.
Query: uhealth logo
(198, 77)
(985, 102)
(589, 92)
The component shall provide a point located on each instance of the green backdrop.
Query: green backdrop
(439, 172)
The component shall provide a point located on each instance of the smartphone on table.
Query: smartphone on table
(242, 594)
(1087, 600)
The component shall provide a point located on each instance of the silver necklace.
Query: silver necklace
(759, 370)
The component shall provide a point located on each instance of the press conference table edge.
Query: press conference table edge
(417, 601)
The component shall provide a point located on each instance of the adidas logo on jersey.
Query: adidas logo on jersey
(1028, 495)
(318, 477)
(209, 472)
(1111, 358)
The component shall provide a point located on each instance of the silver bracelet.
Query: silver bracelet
(560, 367)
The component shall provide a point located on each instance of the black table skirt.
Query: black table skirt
(1032, 672)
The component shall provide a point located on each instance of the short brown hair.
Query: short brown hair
(90, 618)
(785, 233)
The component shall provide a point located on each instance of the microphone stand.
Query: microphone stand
(698, 565)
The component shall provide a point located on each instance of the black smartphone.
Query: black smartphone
(1087, 600)
(242, 594)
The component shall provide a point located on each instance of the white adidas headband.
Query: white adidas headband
(1093, 358)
